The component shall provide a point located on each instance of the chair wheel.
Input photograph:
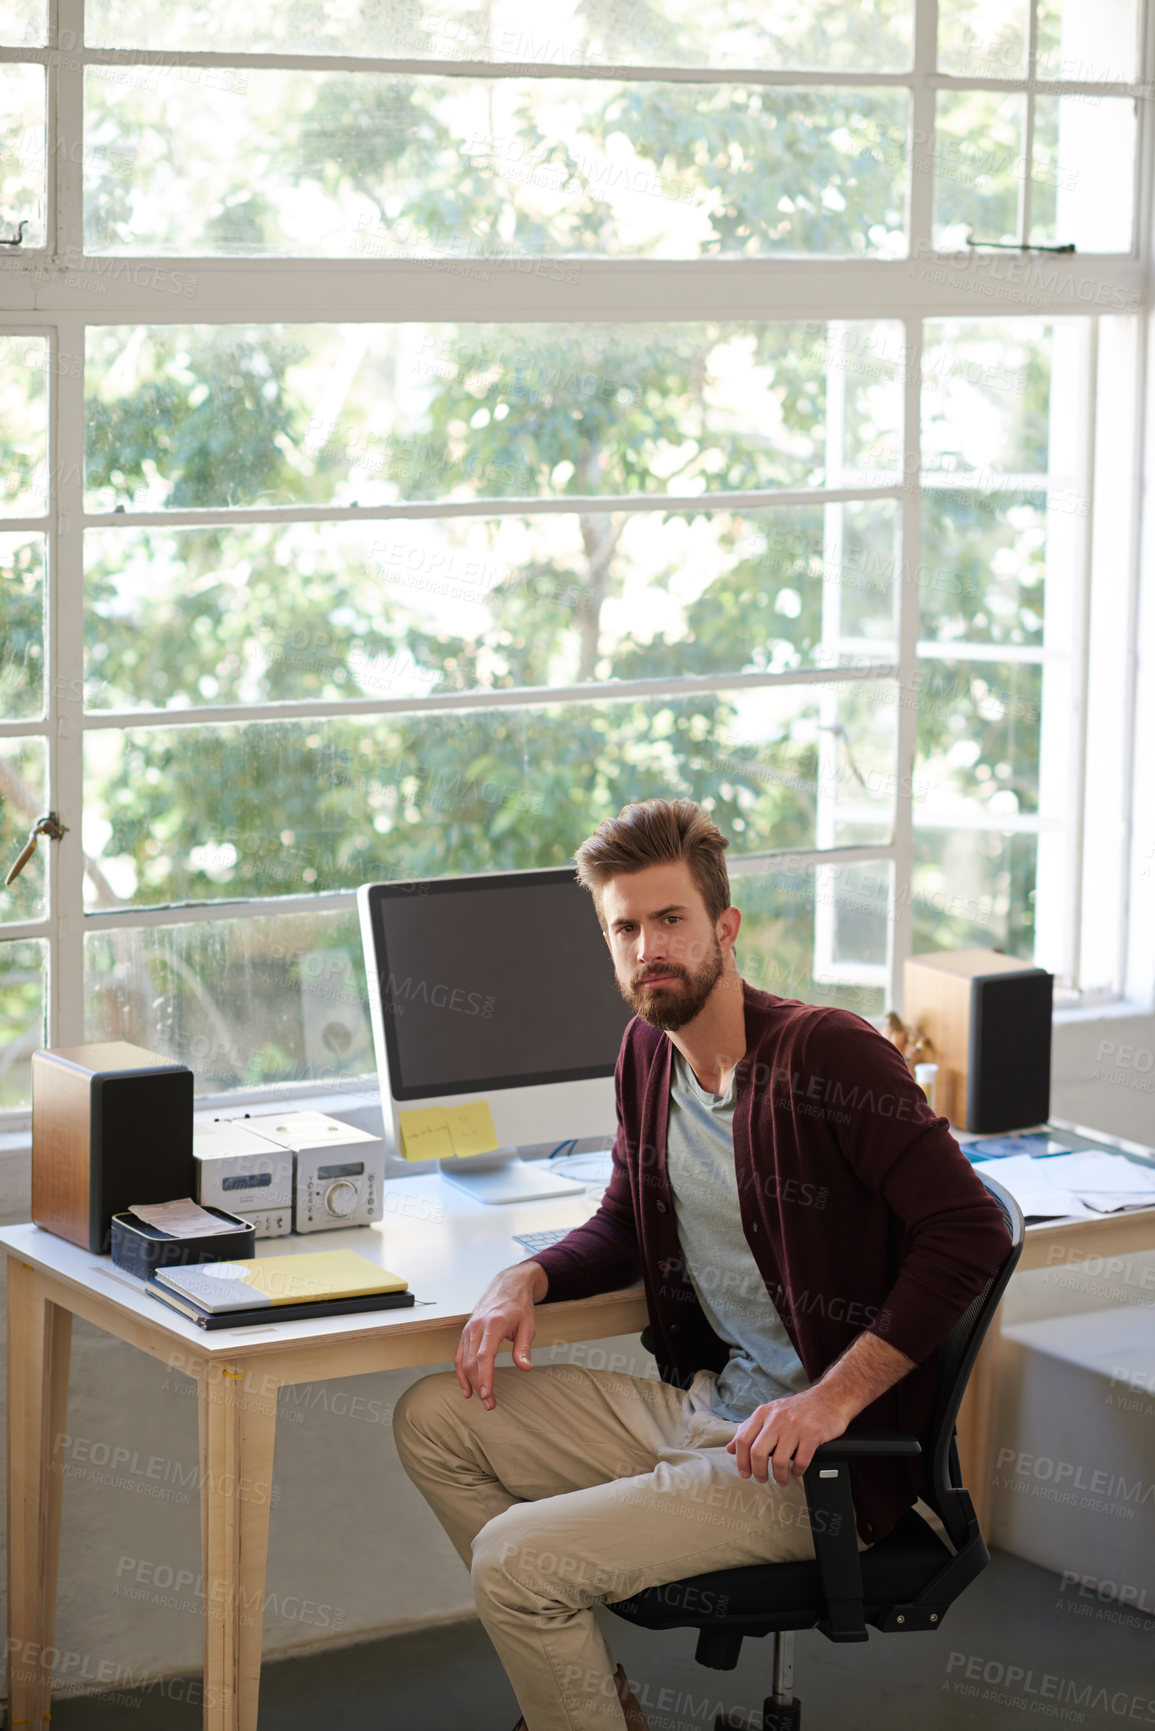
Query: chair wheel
(781, 1718)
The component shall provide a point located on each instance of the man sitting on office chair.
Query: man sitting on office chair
(807, 1232)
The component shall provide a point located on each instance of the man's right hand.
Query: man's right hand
(504, 1312)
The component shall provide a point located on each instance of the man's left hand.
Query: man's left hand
(781, 1437)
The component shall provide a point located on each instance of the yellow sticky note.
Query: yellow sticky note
(425, 1134)
(471, 1127)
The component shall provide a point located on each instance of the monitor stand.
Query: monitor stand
(504, 1177)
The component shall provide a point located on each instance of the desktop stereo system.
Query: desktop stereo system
(290, 1171)
(112, 1125)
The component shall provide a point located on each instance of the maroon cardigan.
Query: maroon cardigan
(857, 1204)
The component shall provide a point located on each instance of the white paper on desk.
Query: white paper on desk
(182, 1219)
(1024, 1178)
(1104, 1202)
(1095, 1170)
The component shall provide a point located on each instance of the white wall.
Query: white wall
(1103, 1075)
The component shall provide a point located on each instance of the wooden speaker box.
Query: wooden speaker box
(111, 1125)
(988, 1018)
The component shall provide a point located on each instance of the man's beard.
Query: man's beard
(667, 1007)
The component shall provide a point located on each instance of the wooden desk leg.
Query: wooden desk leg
(976, 1422)
(237, 1430)
(39, 1340)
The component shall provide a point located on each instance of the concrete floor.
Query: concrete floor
(1016, 1650)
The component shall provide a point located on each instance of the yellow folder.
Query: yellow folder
(272, 1280)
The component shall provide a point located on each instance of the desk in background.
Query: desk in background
(1047, 1244)
(444, 1245)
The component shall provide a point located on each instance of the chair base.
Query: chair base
(776, 1716)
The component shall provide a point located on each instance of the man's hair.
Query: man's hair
(657, 832)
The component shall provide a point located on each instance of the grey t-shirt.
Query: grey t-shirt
(763, 1365)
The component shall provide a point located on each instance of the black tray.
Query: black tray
(140, 1249)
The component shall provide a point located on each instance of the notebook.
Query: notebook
(268, 1283)
(308, 1308)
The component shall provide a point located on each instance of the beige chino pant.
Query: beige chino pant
(584, 1486)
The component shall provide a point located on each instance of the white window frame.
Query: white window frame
(50, 292)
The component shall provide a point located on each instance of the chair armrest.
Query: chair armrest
(831, 1506)
(827, 1485)
(864, 1442)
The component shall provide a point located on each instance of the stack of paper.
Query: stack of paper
(1052, 1185)
(1106, 1182)
(1027, 1179)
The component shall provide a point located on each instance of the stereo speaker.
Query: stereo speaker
(111, 1126)
(988, 1019)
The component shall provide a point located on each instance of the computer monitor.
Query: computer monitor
(495, 988)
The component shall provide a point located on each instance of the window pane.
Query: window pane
(23, 23)
(285, 808)
(986, 397)
(978, 167)
(321, 165)
(860, 898)
(983, 570)
(978, 739)
(22, 784)
(362, 414)
(974, 889)
(856, 781)
(22, 1024)
(23, 424)
(21, 626)
(282, 997)
(782, 946)
(22, 154)
(1083, 174)
(715, 33)
(983, 38)
(241, 1002)
(1092, 41)
(411, 608)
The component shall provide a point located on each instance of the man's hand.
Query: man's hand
(781, 1437)
(504, 1312)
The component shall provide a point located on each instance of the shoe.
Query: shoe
(635, 1718)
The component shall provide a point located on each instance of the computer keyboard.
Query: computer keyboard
(541, 1240)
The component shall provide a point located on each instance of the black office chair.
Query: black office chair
(905, 1582)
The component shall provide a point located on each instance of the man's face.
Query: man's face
(668, 953)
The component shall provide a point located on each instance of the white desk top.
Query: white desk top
(445, 1245)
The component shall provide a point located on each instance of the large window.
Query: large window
(420, 439)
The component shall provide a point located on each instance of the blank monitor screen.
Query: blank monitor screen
(490, 982)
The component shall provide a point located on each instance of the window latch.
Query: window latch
(49, 825)
(843, 738)
(16, 239)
